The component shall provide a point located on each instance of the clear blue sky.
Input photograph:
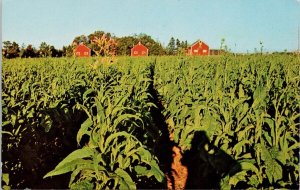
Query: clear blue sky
(243, 23)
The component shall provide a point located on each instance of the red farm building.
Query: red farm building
(139, 50)
(198, 48)
(82, 51)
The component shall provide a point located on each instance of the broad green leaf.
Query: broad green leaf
(259, 96)
(87, 92)
(140, 170)
(84, 129)
(242, 133)
(240, 176)
(6, 187)
(238, 148)
(224, 184)
(125, 180)
(253, 181)
(5, 178)
(268, 138)
(265, 154)
(71, 161)
(67, 167)
(155, 170)
(249, 166)
(114, 136)
(7, 132)
(127, 117)
(271, 124)
(273, 171)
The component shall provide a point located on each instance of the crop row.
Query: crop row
(116, 140)
(248, 107)
(235, 120)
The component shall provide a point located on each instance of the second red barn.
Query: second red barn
(139, 50)
(198, 48)
(82, 51)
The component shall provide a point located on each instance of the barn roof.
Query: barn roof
(82, 45)
(139, 44)
(198, 42)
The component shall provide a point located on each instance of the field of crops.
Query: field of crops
(83, 124)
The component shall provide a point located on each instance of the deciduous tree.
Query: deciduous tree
(44, 50)
(29, 52)
(10, 50)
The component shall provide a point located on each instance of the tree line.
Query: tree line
(123, 46)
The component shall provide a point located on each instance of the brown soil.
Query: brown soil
(177, 178)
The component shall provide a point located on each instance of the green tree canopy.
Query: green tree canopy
(124, 44)
(10, 49)
(44, 50)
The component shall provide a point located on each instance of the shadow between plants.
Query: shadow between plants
(205, 170)
(39, 152)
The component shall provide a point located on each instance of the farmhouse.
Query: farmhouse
(82, 51)
(139, 50)
(198, 48)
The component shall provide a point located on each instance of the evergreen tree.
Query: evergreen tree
(183, 44)
(171, 46)
(178, 44)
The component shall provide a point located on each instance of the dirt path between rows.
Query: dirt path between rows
(170, 157)
(196, 168)
(177, 178)
(169, 154)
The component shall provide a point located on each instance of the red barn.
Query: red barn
(139, 50)
(82, 51)
(198, 48)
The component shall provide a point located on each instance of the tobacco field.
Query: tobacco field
(80, 124)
